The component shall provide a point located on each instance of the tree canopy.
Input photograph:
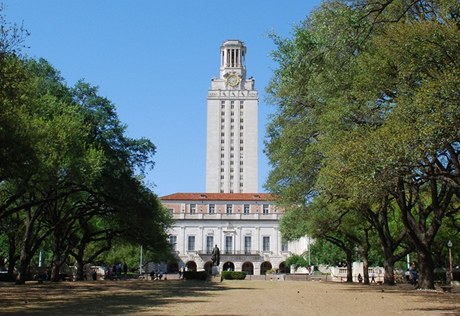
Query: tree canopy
(368, 116)
(70, 178)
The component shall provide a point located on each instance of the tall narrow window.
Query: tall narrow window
(192, 208)
(247, 244)
(173, 241)
(191, 243)
(266, 243)
(209, 244)
(229, 208)
(284, 246)
(229, 244)
(246, 209)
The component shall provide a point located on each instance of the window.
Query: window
(171, 211)
(246, 209)
(228, 244)
(191, 243)
(284, 246)
(209, 243)
(266, 243)
(173, 241)
(229, 208)
(247, 244)
(265, 209)
(192, 208)
(212, 208)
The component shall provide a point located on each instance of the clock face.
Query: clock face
(233, 80)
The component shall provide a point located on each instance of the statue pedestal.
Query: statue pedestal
(215, 270)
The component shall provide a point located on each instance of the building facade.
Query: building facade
(244, 226)
(232, 124)
(242, 223)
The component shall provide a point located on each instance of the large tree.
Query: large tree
(368, 112)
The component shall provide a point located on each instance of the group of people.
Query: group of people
(117, 269)
(156, 275)
(372, 276)
(411, 274)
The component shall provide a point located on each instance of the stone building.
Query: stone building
(230, 214)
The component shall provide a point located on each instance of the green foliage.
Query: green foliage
(70, 179)
(367, 123)
(233, 275)
(297, 261)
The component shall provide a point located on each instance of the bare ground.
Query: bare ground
(177, 297)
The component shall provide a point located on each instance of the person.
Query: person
(215, 256)
(407, 275)
(360, 278)
(372, 277)
(125, 268)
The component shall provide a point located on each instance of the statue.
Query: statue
(215, 256)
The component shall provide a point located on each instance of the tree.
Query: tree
(368, 113)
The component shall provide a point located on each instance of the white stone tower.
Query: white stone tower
(231, 157)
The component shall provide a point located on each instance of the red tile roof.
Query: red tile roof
(218, 197)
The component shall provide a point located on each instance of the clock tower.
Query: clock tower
(232, 125)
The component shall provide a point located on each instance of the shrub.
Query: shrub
(196, 275)
(233, 275)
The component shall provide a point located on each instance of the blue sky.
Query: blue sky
(154, 60)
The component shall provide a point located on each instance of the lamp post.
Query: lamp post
(451, 275)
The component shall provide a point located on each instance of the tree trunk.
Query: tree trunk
(80, 271)
(26, 254)
(426, 271)
(349, 266)
(366, 269)
(57, 260)
(389, 276)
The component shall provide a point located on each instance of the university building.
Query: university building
(230, 214)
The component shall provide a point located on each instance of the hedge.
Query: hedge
(196, 275)
(233, 275)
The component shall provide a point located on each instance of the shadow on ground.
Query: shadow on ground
(101, 297)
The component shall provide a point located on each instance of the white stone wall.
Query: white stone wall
(237, 225)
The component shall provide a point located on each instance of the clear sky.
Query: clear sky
(154, 60)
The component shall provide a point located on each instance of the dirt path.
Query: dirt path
(174, 297)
